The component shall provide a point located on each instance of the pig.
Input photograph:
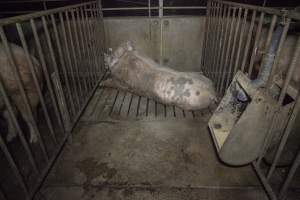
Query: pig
(138, 73)
(10, 83)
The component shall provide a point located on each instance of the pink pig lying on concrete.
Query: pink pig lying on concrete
(135, 72)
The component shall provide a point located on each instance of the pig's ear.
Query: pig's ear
(129, 46)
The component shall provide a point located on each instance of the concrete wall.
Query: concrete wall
(174, 41)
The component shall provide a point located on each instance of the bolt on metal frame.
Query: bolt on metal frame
(233, 31)
(70, 47)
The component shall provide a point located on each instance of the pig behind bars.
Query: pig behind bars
(8, 78)
(143, 76)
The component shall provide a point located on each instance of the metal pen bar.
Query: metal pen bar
(97, 43)
(295, 110)
(222, 45)
(45, 70)
(250, 32)
(207, 25)
(36, 82)
(90, 39)
(218, 39)
(79, 53)
(14, 168)
(290, 176)
(279, 50)
(64, 70)
(20, 18)
(229, 45)
(100, 44)
(264, 181)
(232, 56)
(225, 43)
(291, 71)
(86, 40)
(24, 96)
(83, 50)
(215, 39)
(76, 71)
(210, 40)
(14, 119)
(205, 39)
(256, 43)
(66, 44)
(241, 38)
(267, 10)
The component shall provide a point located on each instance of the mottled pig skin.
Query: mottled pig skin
(10, 83)
(143, 76)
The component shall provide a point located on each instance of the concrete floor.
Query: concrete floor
(164, 154)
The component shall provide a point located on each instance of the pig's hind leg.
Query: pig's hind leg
(11, 130)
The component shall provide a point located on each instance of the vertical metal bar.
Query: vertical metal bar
(36, 82)
(22, 90)
(14, 167)
(86, 48)
(290, 176)
(85, 35)
(83, 45)
(290, 72)
(225, 43)
(256, 42)
(222, 44)
(295, 109)
(248, 41)
(265, 182)
(63, 66)
(207, 26)
(210, 40)
(97, 44)
(236, 65)
(67, 51)
(161, 8)
(13, 117)
(90, 39)
(101, 42)
(45, 70)
(215, 38)
(279, 50)
(79, 52)
(226, 64)
(218, 39)
(76, 71)
(232, 56)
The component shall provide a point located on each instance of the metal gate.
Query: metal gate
(238, 37)
(51, 62)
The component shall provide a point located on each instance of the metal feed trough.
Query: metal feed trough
(70, 42)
